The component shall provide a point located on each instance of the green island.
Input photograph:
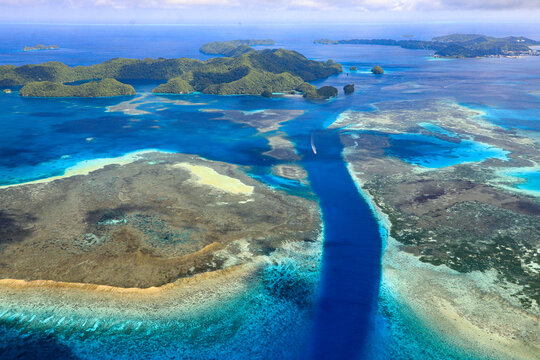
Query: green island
(102, 88)
(377, 70)
(348, 89)
(40, 47)
(252, 73)
(233, 47)
(455, 45)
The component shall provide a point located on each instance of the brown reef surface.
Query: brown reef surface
(145, 223)
(463, 251)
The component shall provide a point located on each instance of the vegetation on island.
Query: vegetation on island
(353, 68)
(102, 88)
(251, 74)
(233, 47)
(327, 92)
(455, 45)
(377, 70)
(40, 47)
(311, 92)
(276, 70)
(348, 89)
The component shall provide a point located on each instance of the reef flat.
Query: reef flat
(146, 222)
(132, 106)
(102, 88)
(267, 122)
(464, 242)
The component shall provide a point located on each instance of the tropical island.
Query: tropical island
(455, 45)
(233, 47)
(40, 47)
(102, 88)
(377, 70)
(251, 73)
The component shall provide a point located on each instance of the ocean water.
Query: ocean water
(349, 316)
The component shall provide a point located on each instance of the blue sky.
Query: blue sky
(274, 11)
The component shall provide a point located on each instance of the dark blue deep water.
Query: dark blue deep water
(43, 137)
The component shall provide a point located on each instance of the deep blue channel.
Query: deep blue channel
(351, 267)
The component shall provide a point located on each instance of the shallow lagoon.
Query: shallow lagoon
(432, 152)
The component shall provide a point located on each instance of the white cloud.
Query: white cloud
(363, 5)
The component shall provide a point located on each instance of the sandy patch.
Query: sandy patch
(208, 176)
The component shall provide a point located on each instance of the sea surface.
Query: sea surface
(353, 315)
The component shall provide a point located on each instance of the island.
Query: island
(233, 47)
(40, 47)
(377, 70)
(276, 70)
(348, 89)
(456, 45)
(102, 88)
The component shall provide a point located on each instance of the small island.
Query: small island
(311, 92)
(102, 88)
(377, 70)
(233, 47)
(348, 89)
(40, 47)
(455, 45)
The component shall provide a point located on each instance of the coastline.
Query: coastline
(510, 179)
(445, 301)
(85, 167)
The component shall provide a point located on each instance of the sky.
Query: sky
(267, 11)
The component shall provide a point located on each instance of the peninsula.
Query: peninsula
(252, 73)
(40, 47)
(455, 45)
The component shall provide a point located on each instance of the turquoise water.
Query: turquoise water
(431, 152)
(530, 180)
(339, 312)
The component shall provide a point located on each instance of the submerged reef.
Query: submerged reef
(102, 88)
(461, 222)
(251, 73)
(146, 223)
(377, 70)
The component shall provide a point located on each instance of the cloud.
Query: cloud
(359, 5)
